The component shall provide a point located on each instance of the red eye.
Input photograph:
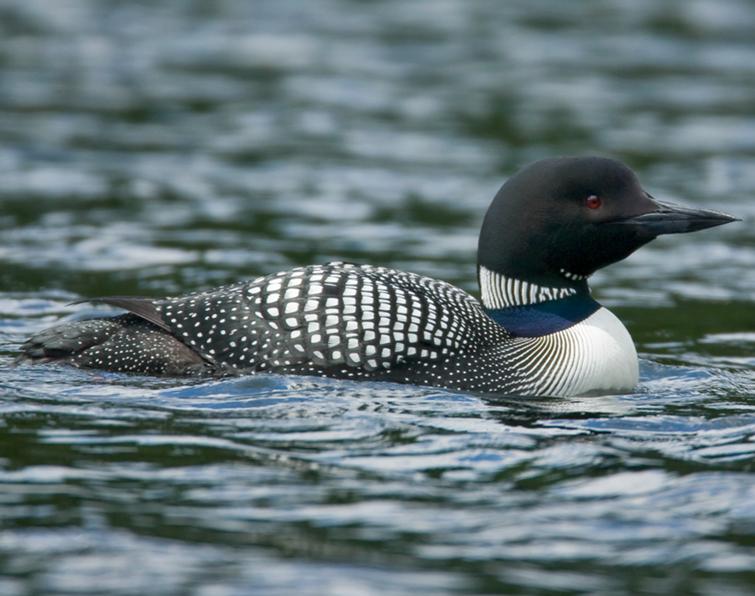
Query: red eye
(593, 202)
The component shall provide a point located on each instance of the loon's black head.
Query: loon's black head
(557, 219)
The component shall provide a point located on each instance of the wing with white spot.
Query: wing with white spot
(313, 319)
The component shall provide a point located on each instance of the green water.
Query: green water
(152, 148)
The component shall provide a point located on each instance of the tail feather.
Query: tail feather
(125, 343)
(69, 339)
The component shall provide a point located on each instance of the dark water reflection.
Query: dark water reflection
(156, 147)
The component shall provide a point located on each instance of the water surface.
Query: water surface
(153, 148)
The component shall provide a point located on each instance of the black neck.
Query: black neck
(536, 320)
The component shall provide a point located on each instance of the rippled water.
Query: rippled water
(152, 148)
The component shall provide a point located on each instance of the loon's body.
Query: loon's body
(535, 331)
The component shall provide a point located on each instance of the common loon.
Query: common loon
(535, 331)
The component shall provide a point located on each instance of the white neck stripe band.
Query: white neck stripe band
(499, 291)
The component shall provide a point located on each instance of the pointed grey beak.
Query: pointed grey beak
(669, 218)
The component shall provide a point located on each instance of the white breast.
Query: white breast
(596, 355)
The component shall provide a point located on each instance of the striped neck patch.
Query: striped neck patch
(499, 291)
